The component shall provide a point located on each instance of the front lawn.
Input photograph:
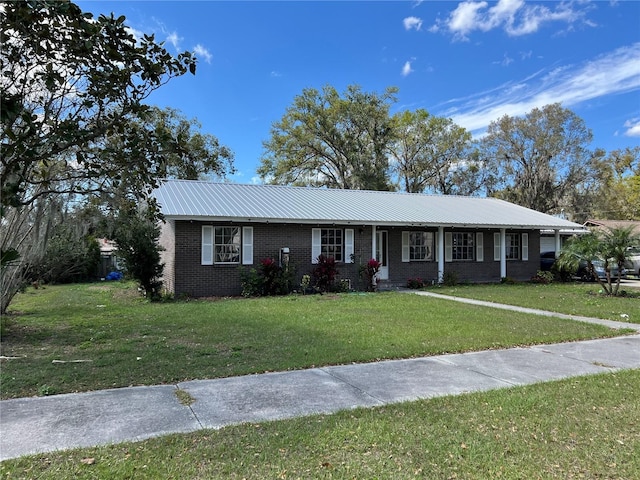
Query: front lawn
(578, 428)
(570, 298)
(94, 336)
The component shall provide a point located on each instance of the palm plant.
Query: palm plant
(607, 246)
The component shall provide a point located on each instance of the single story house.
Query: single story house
(212, 229)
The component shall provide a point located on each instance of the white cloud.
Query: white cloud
(174, 39)
(137, 34)
(505, 62)
(632, 127)
(614, 73)
(202, 52)
(412, 22)
(515, 17)
(275, 74)
(406, 69)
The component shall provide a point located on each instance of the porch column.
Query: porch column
(373, 242)
(503, 253)
(558, 244)
(440, 254)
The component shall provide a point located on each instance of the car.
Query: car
(547, 259)
(585, 275)
(633, 261)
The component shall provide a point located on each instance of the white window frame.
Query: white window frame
(227, 249)
(410, 246)
(208, 245)
(468, 249)
(513, 243)
(347, 247)
(523, 249)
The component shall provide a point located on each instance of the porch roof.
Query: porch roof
(201, 200)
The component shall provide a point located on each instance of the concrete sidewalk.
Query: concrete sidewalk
(43, 424)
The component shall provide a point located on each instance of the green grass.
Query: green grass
(580, 428)
(110, 337)
(569, 298)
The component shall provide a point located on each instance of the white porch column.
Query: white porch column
(440, 254)
(503, 253)
(558, 244)
(373, 243)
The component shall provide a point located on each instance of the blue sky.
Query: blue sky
(472, 61)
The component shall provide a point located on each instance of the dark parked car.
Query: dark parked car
(547, 259)
(586, 276)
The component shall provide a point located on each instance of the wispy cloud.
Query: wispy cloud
(632, 127)
(515, 17)
(275, 74)
(412, 22)
(406, 68)
(202, 52)
(174, 39)
(614, 73)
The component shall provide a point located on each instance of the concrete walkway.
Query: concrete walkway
(43, 424)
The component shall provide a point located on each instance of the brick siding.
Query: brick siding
(191, 278)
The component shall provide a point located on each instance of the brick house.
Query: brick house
(212, 229)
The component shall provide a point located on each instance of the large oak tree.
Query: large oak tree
(540, 158)
(332, 140)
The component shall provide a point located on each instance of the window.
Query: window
(332, 242)
(462, 246)
(512, 243)
(417, 246)
(224, 245)
(516, 246)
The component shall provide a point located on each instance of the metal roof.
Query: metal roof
(201, 200)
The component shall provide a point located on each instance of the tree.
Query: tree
(160, 143)
(68, 82)
(609, 246)
(617, 194)
(539, 158)
(433, 154)
(71, 255)
(136, 233)
(324, 139)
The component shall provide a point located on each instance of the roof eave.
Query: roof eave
(377, 223)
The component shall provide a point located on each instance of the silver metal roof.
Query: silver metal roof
(200, 200)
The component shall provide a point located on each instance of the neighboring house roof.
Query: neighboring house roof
(634, 225)
(107, 247)
(189, 199)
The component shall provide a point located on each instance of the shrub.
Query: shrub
(508, 281)
(450, 278)
(324, 274)
(251, 282)
(270, 279)
(369, 272)
(543, 277)
(415, 283)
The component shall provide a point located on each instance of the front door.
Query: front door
(382, 253)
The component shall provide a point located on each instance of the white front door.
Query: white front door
(382, 253)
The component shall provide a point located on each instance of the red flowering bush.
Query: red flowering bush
(324, 275)
(370, 273)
